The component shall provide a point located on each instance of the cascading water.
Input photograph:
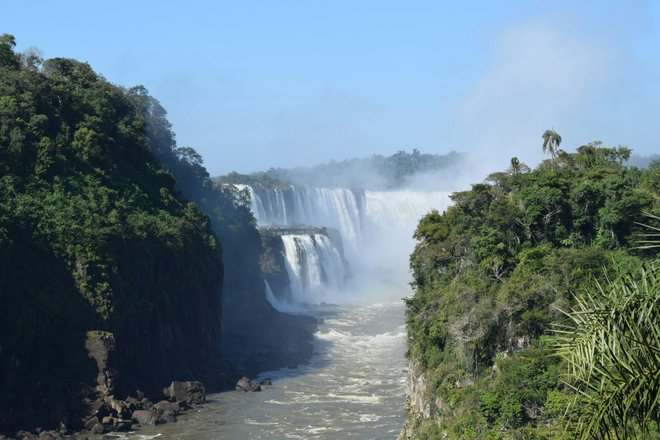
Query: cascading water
(376, 228)
(338, 208)
(313, 264)
(355, 213)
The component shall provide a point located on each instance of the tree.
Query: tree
(612, 348)
(551, 141)
(7, 56)
(515, 166)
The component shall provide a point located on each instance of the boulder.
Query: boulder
(118, 407)
(98, 429)
(187, 392)
(165, 405)
(100, 346)
(266, 381)
(245, 384)
(145, 417)
(123, 425)
(89, 423)
(132, 403)
(167, 417)
(97, 408)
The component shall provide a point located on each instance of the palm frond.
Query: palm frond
(650, 240)
(612, 349)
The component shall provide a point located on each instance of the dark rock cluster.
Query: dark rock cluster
(245, 384)
(106, 414)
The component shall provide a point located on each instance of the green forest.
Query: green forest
(535, 313)
(106, 224)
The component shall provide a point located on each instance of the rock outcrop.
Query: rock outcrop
(419, 404)
(245, 384)
(186, 392)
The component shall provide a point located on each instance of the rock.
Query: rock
(145, 417)
(89, 423)
(123, 425)
(140, 394)
(245, 384)
(96, 408)
(188, 392)
(132, 404)
(146, 403)
(266, 381)
(118, 407)
(166, 405)
(98, 429)
(167, 417)
(100, 346)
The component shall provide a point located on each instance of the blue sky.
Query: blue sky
(255, 84)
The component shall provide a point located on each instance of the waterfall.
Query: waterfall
(314, 266)
(376, 229)
(338, 208)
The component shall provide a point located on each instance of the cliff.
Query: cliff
(255, 336)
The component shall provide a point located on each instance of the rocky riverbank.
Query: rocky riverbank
(102, 413)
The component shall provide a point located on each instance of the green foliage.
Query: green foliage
(491, 273)
(93, 236)
(612, 349)
(551, 141)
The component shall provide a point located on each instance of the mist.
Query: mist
(364, 211)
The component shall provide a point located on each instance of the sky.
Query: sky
(259, 84)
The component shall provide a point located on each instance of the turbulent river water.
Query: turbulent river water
(353, 387)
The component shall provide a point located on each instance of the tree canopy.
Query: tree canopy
(492, 274)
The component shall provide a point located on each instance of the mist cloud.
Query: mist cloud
(541, 76)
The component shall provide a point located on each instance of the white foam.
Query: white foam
(355, 398)
(369, 418)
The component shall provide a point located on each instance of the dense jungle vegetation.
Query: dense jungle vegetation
(107, 224)
(93, 236)
(535, 313)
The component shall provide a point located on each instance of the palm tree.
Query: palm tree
(515, 165)
(612, 349)
(551, 141)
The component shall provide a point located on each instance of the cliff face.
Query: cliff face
(93, 237)
(418, 405)
(255, 336)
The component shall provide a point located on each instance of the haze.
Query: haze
(253, 85)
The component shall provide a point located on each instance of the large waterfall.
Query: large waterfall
(375, 227)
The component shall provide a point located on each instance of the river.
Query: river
(353, 387)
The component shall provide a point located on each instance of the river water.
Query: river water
(353, 387)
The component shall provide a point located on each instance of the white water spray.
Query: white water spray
(376, 229)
